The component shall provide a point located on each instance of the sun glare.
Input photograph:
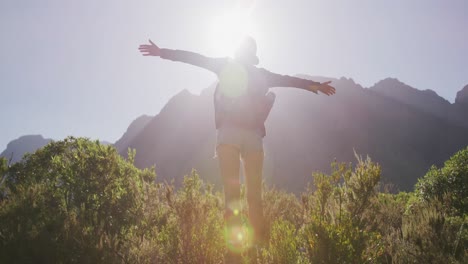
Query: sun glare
(228, 29)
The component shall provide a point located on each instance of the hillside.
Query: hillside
(427, 100)
(306, 131)
(22, 145)
(133, 130)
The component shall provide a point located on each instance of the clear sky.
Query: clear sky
(73, 67)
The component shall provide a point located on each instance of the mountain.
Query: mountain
(305, 132)
(133, 130)
(179, 138)
(25, 144)
(462, 98)
(28, 144)
(427, 100)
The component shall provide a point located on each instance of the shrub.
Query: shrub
(335, 231)
(283, 244)
(449, 185)
(433, 237)
(77, 201)
(74, 201)
(198, 214)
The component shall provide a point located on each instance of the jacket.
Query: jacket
(241, 97)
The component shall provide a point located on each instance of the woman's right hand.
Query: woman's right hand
(150, 50)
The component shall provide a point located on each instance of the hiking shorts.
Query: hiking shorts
(246, 140)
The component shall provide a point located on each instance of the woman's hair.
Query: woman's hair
(247, 51)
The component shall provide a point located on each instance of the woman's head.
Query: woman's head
(246, 52)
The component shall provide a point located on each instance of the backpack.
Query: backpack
(241, 97)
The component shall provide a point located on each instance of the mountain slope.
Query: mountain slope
(427, 100)
(133, 130)
(462, 98)
(179, 138)
(22, 145)
(305, 132)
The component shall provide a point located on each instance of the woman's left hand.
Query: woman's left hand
(326, 88)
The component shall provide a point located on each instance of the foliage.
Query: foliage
(336, 231)
(3, 166)
(283, 245)
(449, 185)
(3, 171)
(77, 201)
(433, 237)
(198, 214)
(74, 201)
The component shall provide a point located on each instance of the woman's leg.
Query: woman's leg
(253, 170)
(229, 163)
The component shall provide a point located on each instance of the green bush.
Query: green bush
(283, 244)
(198, 214)
(3, 172)
(433, 236)
(74, 201)
(336, 228)
(77, 201)
(449, 185)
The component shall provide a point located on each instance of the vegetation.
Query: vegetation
(77, 201)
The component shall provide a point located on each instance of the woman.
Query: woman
(242, 104)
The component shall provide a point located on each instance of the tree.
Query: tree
(448, 185)
(75, 201)
(3, 175)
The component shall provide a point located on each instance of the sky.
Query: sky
(73, 67)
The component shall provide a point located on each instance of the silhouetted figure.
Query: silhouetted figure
(242, 104)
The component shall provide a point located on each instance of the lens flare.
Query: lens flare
(238, 238)
(238, 232)
(234, 207)
(233, 80)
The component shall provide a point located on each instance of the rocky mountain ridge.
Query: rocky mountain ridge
(305, 132)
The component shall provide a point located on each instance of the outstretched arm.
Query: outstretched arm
(278, 80)
(212, 64)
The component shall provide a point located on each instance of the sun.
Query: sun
(228, 29)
